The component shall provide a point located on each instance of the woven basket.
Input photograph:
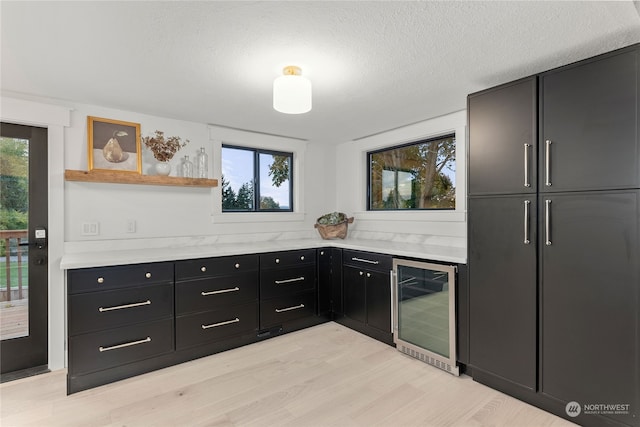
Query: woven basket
(334, 231)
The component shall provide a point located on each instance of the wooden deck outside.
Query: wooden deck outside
(14, 303)
(14, 318)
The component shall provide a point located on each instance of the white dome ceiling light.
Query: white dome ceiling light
(292, 92)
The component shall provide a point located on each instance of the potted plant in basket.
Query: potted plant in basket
(163, 149)
(333, 225)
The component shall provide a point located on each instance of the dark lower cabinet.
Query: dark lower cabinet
(215, 325)
(355, 288)
(216, 299)
(117, 316)
(128, 320)
(367, 294)
(378, 300)
(114, 347)
(590, 294)
(503, 287)
(288, 291)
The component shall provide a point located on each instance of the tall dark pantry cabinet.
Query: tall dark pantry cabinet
(554, 243)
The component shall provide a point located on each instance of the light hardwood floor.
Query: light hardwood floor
(327, 375)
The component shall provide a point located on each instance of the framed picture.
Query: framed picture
(114, 145)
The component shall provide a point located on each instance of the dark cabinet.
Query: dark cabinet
(287, 289)
(502, 126)
(216, 298)
(117, 316)
(503, 287)
(556, 320)
(378, 302)
(355, 302)
(367, 293)
(330, 283)
(590, 125)
(130, 319)
(590, 292)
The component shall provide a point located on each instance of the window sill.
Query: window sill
(256, 217)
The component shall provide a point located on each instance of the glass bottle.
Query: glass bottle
(187, 168)
(180, 171)
(202, 164)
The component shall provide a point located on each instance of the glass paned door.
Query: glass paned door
(23, 252)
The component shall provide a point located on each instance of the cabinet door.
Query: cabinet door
(590, 290)
(355, 303)
(502, 287)
(378, 298)
(324, 282)
(590, 125)
(502, 139)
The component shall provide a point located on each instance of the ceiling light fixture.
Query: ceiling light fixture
(292, 92)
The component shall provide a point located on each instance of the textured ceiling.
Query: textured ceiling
(374, 65)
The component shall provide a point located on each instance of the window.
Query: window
(256, 180)
(419, 175)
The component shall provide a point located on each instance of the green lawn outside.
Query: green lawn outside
(13, 266)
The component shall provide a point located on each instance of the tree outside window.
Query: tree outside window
(255, 180)
(420, 175)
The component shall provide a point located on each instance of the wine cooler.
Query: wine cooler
(424, 324)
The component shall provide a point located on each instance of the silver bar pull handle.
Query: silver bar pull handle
(221, 291)
(368, 261)
(282, 282)
(526, 222)
(295, 307)
(127, 344)
(120, 307)
(393, 299)
(547, 222)
(547, 162)
(527, 182)
(226, 322)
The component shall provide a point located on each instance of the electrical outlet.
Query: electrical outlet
(90, 228)
(131, 226)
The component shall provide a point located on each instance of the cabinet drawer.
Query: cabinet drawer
(216, 292)
(287, 281)
(287, 259)
(95, 311)
(115, 347)
(368, 260)
(277, 311)
(211, 267)
(102, 278)
(210, 326)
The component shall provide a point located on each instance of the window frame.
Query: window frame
(256, 178)
(446, 135)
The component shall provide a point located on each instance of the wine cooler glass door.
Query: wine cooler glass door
(425, 310)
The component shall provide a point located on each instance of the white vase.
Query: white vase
(163, 168)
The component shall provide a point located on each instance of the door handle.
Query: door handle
(526, 222)
(527, 182)
(547, 161)
(547, 222)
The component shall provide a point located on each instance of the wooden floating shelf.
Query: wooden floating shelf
(133, 178)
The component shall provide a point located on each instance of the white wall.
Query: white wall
(429, 227)
(184, 215)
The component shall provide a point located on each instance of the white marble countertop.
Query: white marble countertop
(135, 256)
